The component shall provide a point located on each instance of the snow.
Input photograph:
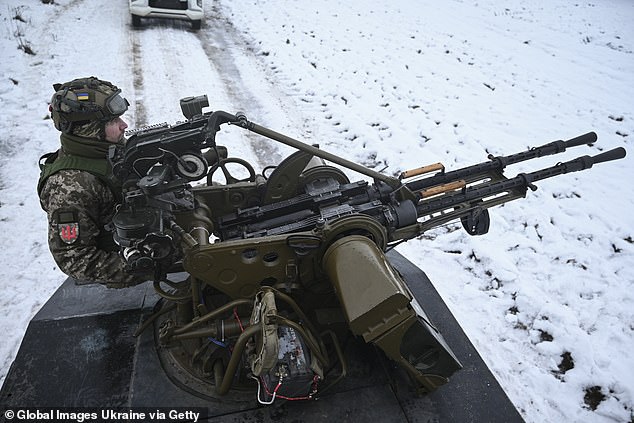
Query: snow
(392, 85)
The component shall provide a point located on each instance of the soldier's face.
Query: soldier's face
(115, 129)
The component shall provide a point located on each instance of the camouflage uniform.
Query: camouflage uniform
(79, 194)
(79, 205)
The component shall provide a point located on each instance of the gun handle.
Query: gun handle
(441, 189)
(422, 170)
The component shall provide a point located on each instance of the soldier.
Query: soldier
(76, 187)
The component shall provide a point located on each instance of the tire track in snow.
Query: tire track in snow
(220, 40)
(140, 117)
(171, 62)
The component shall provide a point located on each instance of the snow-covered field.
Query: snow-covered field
(547, 297)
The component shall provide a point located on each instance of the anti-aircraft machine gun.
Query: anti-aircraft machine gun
(282, 269)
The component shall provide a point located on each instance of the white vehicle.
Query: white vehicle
(189, 10)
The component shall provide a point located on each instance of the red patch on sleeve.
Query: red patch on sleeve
(68, 232)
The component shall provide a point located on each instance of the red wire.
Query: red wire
(235, 314)
(269, 393)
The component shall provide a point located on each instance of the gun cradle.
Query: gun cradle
(239, 268)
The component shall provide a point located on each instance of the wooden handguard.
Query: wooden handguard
(422, 170)
(440, 189)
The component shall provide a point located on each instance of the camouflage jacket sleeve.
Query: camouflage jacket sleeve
(78, 206)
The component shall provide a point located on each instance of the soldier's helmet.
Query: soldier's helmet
(84, 105)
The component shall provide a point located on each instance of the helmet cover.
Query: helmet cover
(83, 106)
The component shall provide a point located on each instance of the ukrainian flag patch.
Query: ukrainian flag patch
(83, 96)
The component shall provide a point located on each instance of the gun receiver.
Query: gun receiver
(294, 249)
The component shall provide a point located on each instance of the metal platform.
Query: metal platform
(79, 351)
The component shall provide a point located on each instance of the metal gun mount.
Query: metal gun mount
(282, 271)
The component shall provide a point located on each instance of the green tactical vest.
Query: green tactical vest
(80, 154)
(93, 162)
(53, 164)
